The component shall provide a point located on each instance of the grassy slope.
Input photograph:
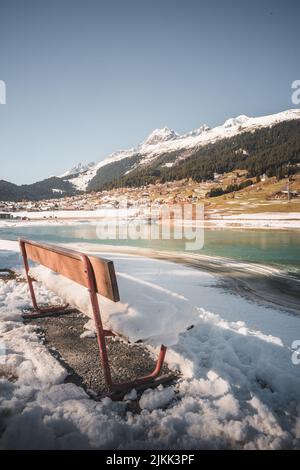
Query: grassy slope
(257, 198)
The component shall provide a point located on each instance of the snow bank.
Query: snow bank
(157, 398)
(272, 224)
(103, 213)
(239, 388)
(266, 216)
(146, 315)
(271, 220)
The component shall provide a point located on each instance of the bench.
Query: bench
(98, 276)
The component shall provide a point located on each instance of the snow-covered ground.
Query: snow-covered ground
(104, 213)
(273, 220)
(239, 387)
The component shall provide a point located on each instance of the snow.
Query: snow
(157, 398)
(160, 135)
(168, 165)
(267, 215)
(239, 387)
(238, 121)
(106, 213)
(196, 132)
(272, 220)
(80, 168)
(82, 180)
(145, 315)
(166, 140)
(59, 191)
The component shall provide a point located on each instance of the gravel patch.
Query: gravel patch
(81, 357)
(8, 275)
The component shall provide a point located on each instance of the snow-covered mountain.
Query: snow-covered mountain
(78, 169)
(161, 135)
(259, 145)
(165, 141)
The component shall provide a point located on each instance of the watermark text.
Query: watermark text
(151, 222)
(2, 92)
(296, 353)
(296, 93)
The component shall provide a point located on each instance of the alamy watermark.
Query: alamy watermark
(296, 93)
(156, 222)
(2, 92)
(296, 353)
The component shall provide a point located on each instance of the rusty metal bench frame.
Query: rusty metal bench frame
(98, 276)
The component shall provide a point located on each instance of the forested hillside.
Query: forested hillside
(265, 150)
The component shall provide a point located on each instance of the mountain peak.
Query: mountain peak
(80, 168)
(237, 121)
(160, 135)
(198, 131)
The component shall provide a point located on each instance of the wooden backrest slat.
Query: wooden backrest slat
(69, 263)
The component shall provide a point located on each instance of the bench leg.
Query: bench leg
(101, 333)
(37, 311)
(147, 378)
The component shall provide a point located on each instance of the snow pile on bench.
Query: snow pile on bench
(146, 316)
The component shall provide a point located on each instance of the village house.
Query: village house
(5, 215)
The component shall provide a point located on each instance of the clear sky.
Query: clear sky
(85, 78)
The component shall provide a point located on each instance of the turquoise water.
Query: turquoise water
(280, 247)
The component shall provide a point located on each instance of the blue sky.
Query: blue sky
(88, 77)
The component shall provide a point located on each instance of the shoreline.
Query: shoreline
(212, 220)
(218, 223)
